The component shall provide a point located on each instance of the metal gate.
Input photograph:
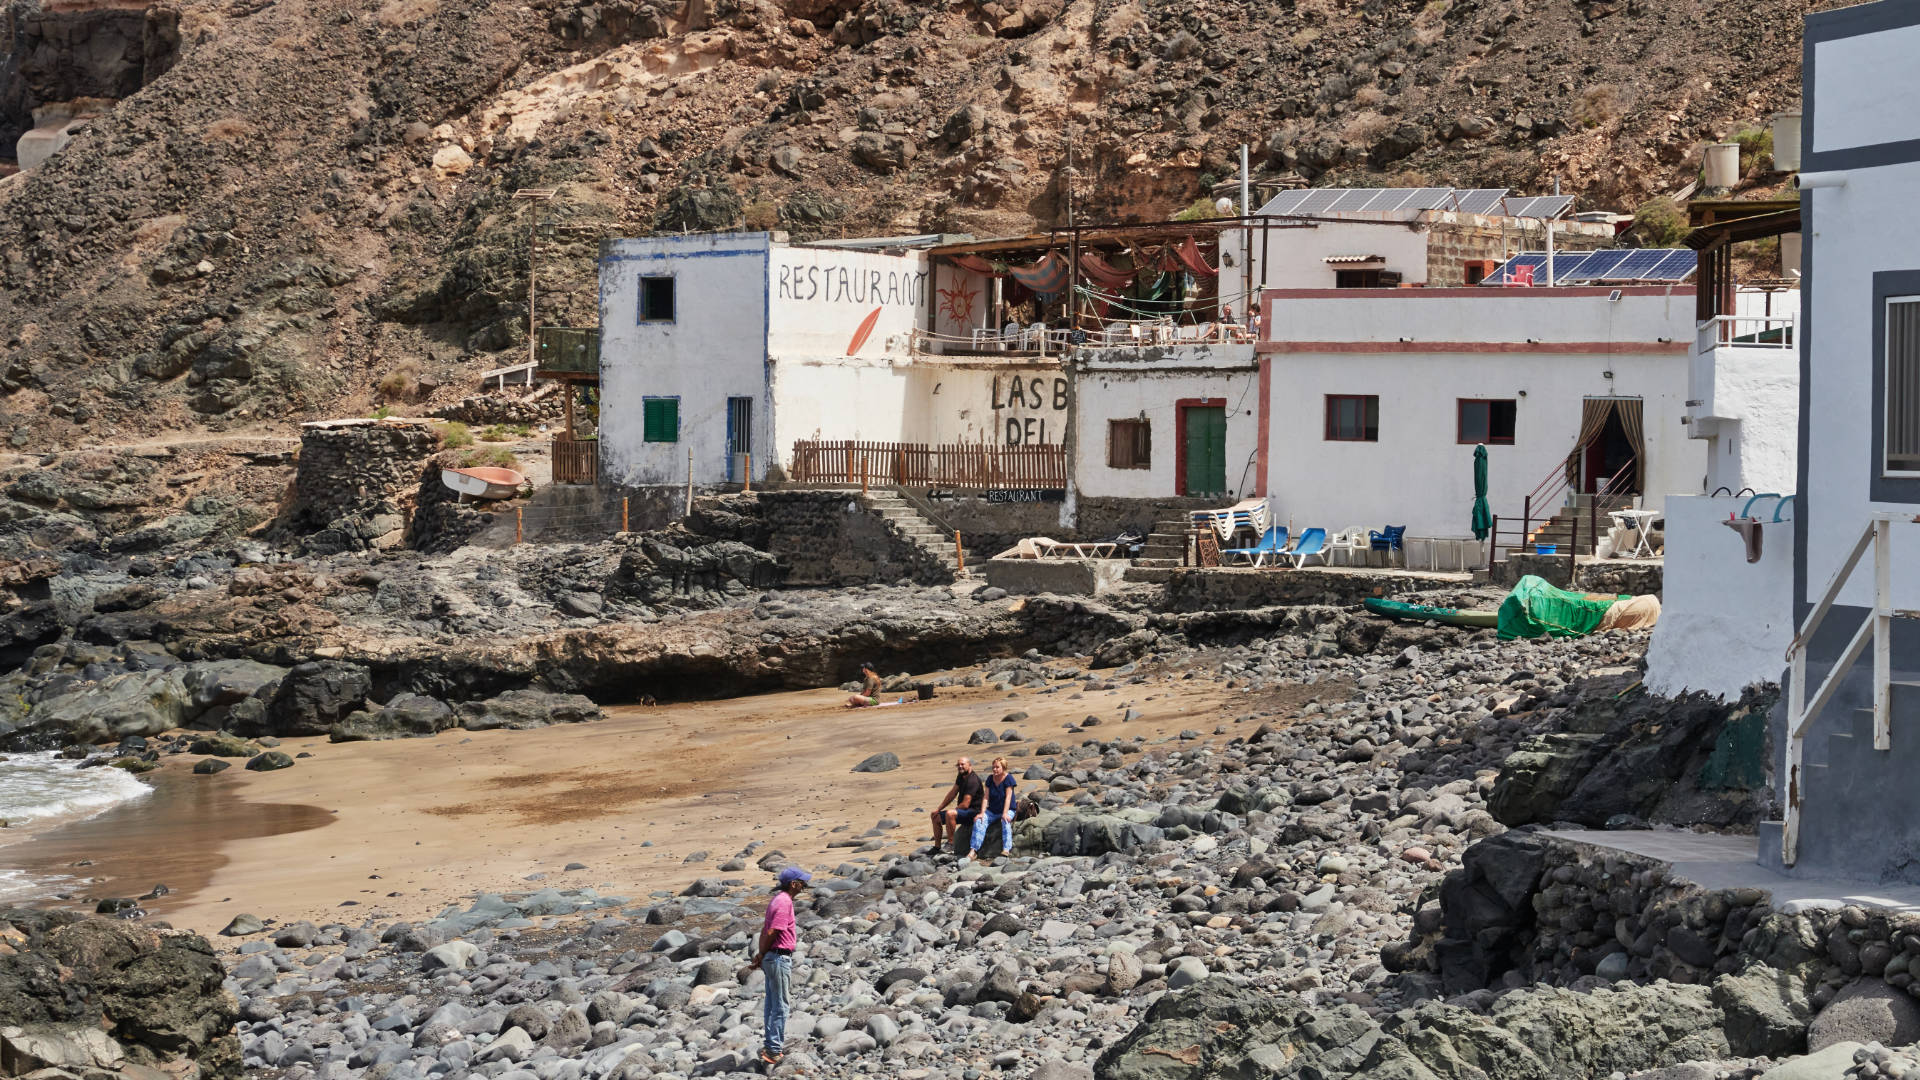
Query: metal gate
(739, 437)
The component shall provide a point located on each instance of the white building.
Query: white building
(1155, 422)
(1373, 400)
(1846, 774)
(1743, 393)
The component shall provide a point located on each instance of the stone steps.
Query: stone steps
(907, 522)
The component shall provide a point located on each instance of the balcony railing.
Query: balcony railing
(1046, 341)
(1748, 332)
(570, 350)
(965, 466)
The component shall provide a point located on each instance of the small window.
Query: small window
(1129, 444)
(1477, 270)
(656, 299)
(1486, 420)
(1356, 279)
(1903, 385)
(1353, 418)
(660, 419)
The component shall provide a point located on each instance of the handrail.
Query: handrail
(1879, 627)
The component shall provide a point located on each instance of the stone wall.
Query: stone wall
(821, 537)
(1219, 589)
(1527, 908)
(353, 468)
(1634, 578)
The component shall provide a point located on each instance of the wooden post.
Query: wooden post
(567, 390)
(689, 512)
(863, 474)
(1493, 542)
(623, 513)
(747, 476)
(1526, 519)
(1593, 523)
(959, 553)
(519, 523)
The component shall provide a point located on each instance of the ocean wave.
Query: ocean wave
(43, 787)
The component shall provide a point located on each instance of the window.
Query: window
(656, 299)
(1353, 418)
(660, 419)
(1478, 269)
(1129, 444)
(1903, 385)
(1486, 420)
(1356, 279)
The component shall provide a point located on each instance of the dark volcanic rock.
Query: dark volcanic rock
(519, 709)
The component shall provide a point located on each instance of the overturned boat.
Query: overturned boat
(483, 483)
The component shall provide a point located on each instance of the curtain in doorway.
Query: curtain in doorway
(1593, 420)
(1629, 411)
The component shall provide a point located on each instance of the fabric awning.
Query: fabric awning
(1104, 274)
(975, 264)
(1049, 275)
(1190, 258)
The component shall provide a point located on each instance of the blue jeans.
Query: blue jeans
(778, 968)
(980, 832)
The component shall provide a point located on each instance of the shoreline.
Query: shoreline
(401, 828)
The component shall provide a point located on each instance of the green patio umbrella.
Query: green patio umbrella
(1482, 514)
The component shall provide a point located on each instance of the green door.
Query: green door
(1206, 450)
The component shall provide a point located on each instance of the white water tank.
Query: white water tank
(1790, 255)
(1786, 140)
(1722, 165)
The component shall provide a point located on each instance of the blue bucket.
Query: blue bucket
(1546, 549)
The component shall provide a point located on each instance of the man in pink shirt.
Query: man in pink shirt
(778, 935)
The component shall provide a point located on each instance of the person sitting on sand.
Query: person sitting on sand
(869, 688)
(967, 789)
(1000, 805)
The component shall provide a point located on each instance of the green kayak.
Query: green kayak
(1394, 609)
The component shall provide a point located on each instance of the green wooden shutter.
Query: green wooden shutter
(660, 420)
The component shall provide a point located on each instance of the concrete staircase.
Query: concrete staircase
(1588, 511)
(1857, 799)
(906, 521)
(1165, 550)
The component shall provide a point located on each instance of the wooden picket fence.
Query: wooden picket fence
(576, 461)
(970, 466)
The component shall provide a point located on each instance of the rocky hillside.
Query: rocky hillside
(309, 208)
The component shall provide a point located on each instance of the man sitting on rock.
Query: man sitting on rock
(869, 688)
(967, 789)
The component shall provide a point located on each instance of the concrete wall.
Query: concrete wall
(1724, 622)
(1749, 411)
(820, 298)
(1643, 315)
(1117, 384)
(715, 348)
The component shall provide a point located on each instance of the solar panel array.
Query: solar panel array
(1314, 201)
(1617, 265)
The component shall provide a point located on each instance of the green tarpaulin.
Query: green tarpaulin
(1482, 514)
(1535, 608)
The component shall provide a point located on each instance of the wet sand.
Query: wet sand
(403, 828)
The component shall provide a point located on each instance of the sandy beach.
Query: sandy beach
(403, 828)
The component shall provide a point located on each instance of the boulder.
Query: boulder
(1086, 834)
(1766, 1010)
(407, 716)
(222, 745)
(1867, 1010)
(134, 703)
(271, 761)
(1833, 1063)
(311, 699)
(521, 709)
(157, 994)
(885, 761)
(881, 153)
(217, 683)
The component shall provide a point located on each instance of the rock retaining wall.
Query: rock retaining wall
(350, 468)
(1526, 908)
(1225, 590)
(823, 537)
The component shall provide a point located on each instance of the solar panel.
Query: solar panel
(1570, 266)
(1319, 201)
(1383, 199)
(1600, 265)
(1638, 264)
(1679, 263)
(1432, 198)
(1539, 206)
(1480, 200)
(1283, 203)
(1354, 199)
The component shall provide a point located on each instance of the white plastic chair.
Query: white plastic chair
(982, 336)
(1010, 336)
(1358, 543)
(1035, 337)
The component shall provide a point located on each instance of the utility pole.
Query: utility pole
(533, 197)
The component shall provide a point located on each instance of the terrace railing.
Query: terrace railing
(958, 466)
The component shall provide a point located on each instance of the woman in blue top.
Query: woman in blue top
(999, 807)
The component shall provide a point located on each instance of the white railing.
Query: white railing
(1748, 332)
(1879, 628)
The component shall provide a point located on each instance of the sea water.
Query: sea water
(42, 789)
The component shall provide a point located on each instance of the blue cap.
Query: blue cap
(794, 873)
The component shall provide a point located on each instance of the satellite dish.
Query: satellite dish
(1223, 206)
